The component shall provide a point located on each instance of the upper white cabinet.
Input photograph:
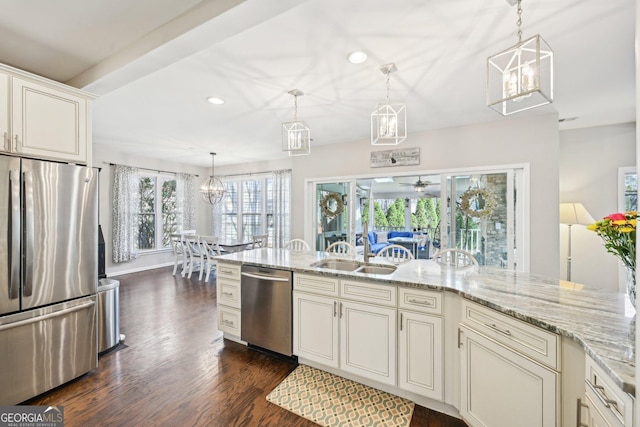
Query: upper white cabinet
(43, 119)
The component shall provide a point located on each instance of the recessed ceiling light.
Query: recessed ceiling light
(215, 101)
(357, 57)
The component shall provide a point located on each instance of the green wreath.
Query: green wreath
(488, 201)
(325, 205)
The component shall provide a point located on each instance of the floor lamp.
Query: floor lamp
(570, 214)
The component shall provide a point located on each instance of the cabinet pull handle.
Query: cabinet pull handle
(4, 142)
(335, 308)
(228, 293)
(599, 391)
(16, 138)
(226, 271)
(401, 321)
(459, 337)
(228, 322)
(580, 405)
(341, 310)
(421, 302)
(495, 328)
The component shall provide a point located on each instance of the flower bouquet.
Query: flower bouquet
(618, 231)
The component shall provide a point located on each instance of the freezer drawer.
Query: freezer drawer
(46, 347)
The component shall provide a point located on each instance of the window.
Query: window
(158, 215)
(248, 209)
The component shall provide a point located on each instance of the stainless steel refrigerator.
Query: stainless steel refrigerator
(48, 275)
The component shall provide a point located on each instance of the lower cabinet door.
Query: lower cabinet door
(420, 356)
(368, 341)
(501, 388)
(315, 328)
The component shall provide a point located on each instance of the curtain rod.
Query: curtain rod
(256, 173)
(147, 169)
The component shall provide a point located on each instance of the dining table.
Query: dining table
(410, 243)
(234, 245)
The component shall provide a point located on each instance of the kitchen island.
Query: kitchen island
(599, 323)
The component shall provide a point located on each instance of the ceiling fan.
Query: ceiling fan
(419, 186)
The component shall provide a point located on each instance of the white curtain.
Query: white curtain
(126, 203)
(186, 200)
(281, 207)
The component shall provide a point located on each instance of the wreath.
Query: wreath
(480, 196)
(326, 203)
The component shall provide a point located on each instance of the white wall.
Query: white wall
(102, 156)
(515, 140)
(589, 162)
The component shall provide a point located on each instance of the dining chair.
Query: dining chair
(195, 254)
(210, 249)
(341, 248)
(395, 253)
(423, 246)
(260, 241)
(455, 258)
(297, 245)
(179, 252)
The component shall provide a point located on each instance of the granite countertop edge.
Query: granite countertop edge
(606, 333)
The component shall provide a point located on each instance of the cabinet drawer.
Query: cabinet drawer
(323, 285)
(229, 320)
(424, 301)
(229, 271)
(228, 292)
(368, 292)
(524, 338)
(615, 405)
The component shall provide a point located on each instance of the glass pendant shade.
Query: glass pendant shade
(296, 138)
(212, 190)
(296, 135)
(521, 77)
(388, 124)
(388, 121)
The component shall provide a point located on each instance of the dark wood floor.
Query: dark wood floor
(177, 371)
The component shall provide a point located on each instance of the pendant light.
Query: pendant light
(212, 190)
(388, 121)
(296, 135)
(520, 77)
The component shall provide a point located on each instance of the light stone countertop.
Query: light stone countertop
(602, 322)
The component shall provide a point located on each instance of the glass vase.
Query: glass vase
(631, 285)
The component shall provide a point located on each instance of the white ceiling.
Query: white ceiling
(153, 63)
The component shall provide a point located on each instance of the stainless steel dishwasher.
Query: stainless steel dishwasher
(266, 297)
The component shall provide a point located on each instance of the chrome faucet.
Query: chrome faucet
(367, 249)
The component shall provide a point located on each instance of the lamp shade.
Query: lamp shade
(574, 213)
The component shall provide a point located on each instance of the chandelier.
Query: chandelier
(212, 190)
(388, 121)
(296, 135)
(520, 77)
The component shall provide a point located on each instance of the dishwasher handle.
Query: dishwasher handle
(260, 277)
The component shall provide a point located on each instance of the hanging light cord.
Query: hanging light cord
(519, 21)
(388, 74)
(212, 156)
(295, 108)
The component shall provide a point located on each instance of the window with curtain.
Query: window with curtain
(148, 208)
(255, 205)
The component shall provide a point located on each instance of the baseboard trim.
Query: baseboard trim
(138, 269)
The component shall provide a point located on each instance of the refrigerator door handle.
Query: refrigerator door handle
(14, 240)
(29, 220)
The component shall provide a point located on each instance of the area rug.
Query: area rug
(330, 400)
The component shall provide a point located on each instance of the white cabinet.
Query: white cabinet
(605, 404)
(420, 366)
(43, 119)
(368, 341)
(315, 328)
(421, 342)
(343, 332)
(228, 297)
(505, 373)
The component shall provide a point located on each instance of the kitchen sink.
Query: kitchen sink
(376, 269)
(338, 264)
(355, 266)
